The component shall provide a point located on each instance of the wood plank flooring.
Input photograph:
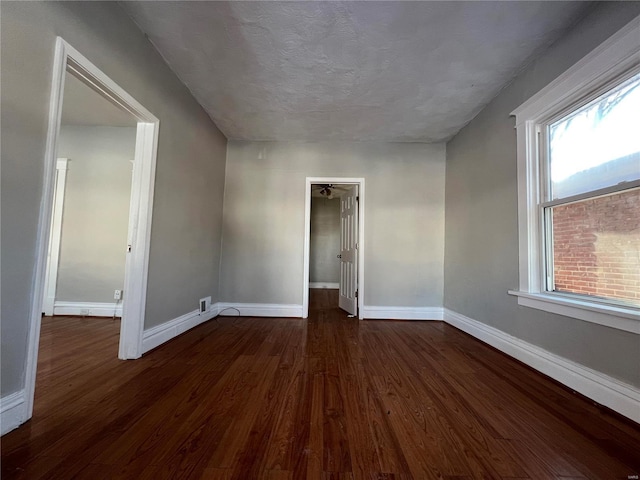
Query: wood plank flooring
(327, 398)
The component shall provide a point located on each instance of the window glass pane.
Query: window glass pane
(596, 247)
(598, 145)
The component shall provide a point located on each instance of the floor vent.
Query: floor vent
(205, 305)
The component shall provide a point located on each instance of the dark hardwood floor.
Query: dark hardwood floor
(327, 398)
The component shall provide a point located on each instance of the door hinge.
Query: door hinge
(356, 246)
(356, 293)
(357, 198)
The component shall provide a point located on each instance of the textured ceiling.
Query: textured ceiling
(386, 71)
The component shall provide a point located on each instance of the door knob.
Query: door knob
(339, 256)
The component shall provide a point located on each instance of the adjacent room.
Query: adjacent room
(320, 240)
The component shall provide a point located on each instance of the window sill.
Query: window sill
(627, 319)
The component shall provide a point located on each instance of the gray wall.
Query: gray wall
(262, 248)
(324, 240)
(481, 259)
(185, 238)
(96, 211)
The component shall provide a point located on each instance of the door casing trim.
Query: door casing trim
(307, 237)
(67, 58)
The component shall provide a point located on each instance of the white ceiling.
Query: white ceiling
(385, 71)
(82, 105)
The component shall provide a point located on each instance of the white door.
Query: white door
(348, 251)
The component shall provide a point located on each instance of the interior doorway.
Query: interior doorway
(334, 246)
(86, 257)
(71, 67)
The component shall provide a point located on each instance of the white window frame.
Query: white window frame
(614, 58)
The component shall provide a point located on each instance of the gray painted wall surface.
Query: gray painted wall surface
(263, 235)
(324, 265)
(481, 260)
(185, 239)
(96, 212)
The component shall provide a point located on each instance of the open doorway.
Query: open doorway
(324, 246)
(108, 141)
(90, 218)
(334, 219)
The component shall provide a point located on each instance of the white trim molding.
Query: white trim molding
(89, 309)
(259, 310)
(68, 59)
(609, 60)
(164, 332)
(603, 389)
(13, 411)
(603, 314)
(53, 252)
(615, 59)
(156, 336)
(330, 285)
(403, 313)
(307, 237)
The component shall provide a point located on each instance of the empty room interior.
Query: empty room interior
(320, 240)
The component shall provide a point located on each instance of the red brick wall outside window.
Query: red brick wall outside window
(596, 247)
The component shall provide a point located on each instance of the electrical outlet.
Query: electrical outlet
(117, 295)
(85, 311)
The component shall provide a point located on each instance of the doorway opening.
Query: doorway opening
(88, 109)
(90, 218)
(334, 244)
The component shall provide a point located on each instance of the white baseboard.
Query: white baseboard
(603, 389)
(90, 309)
(260, 310)
(13, 411)
(403, 313)
(331, 285)
(164, 332)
